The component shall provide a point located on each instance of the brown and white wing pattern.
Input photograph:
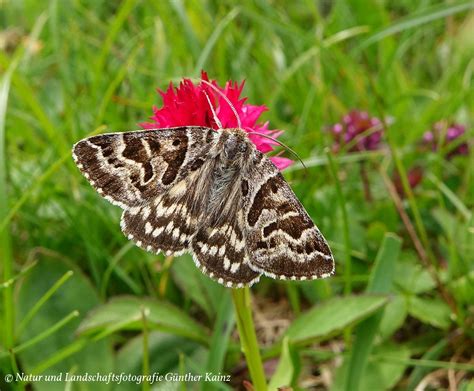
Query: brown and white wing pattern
(148, 174)
(197, 190)
(221, 252)
(283, 241)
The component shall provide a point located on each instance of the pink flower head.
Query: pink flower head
(188, 105)
(357, 128)
(432, 138)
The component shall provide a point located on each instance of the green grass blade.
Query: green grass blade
(146, 349)
(412, 21)
(284, 372)
(124, 313)
(53, 168)
(223, 326)
(427, 363)
(332, 317)
(42, 300)
(22, 273)
(463, 210)
(5, 240)
(60, 355)
(345, 222)
(115, 26)
(419, 372)
(45, 334)
(213, 39)
(380, 282)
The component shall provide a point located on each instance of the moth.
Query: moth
(210, 193)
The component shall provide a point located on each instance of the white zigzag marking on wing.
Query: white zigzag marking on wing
(234, 267)
(228, 284)
(157, 231)
(146, 146)
(175, 233)
(229, 231)
(178, 189)
(148, 228)
(282, 249)
(134, 210)
(146, 210)
(226, 263)
(300, 240)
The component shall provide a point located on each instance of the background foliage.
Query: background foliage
(78, 297)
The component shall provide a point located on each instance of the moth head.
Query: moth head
(236, 144)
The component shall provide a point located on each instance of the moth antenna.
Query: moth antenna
(216, 119)
(239, 124)
(282, 145)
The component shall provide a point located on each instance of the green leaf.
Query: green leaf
(380, 282)
(164, 351)
(284, 372)
(125, 313)
(75, 294)
(463, 288)
(331, 317)
(419, 371)
(223, 326)
(378, 374)
(394, 316)
(415, 20)
(411, 276)
(195, 285)
(432, 311)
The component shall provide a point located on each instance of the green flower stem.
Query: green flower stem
(248, 338)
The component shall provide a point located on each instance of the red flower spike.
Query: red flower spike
(188, 105)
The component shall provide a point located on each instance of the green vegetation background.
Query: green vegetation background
(78, 297)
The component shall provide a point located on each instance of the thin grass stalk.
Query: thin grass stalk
(146, 354)
(165, 276)
(42, 300)
(60, 355)
(422, 244)
(5, 240)
(417, 243)
(333, 168)
(15, 369)
(248, 337)
(51, 330)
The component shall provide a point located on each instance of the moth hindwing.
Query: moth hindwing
(210, 193)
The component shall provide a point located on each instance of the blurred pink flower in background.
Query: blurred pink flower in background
(359, 130)
(441, 135)
(414, 175)
(188, 105)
